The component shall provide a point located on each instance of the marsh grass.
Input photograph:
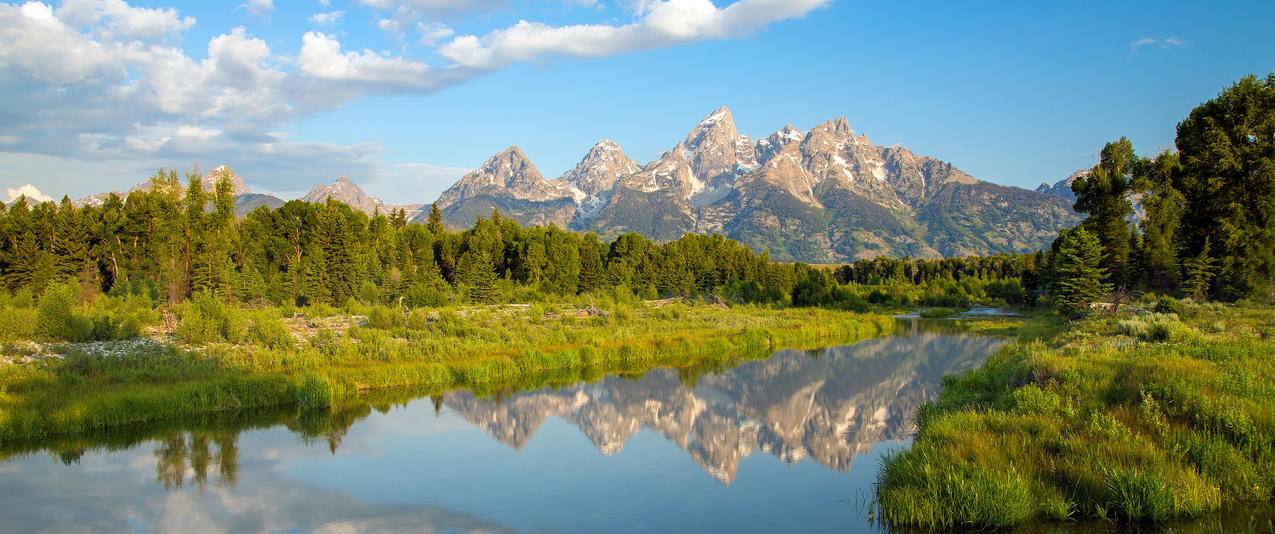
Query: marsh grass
(237, 359)
(1132, 418)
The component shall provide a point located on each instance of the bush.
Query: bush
(1154, 327)
(424, 294)
(1168, 305)
(384, 318)
(56, 319)
(206, 319)
(267, 329)
(17, 323)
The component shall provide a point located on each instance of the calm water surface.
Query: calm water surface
(790, 443)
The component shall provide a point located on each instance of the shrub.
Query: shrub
(206, 319)
(384, 318)
(268, 330)
(56, 319)
(1155, 327)
(1168, 304)
(424, 294)
(17, 323)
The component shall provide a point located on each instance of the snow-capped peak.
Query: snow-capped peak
(718, 115)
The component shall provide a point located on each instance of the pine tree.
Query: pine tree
(476, 275)
(592, 272)
(1164, 206)
(1078, 272)
(1198, 273)
(1227, 148)
(1104, 197)
(435, 222)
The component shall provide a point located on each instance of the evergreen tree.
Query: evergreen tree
(476, 275)
(1164, 206)
(1227, 149)
(592, 272)
(1078, 272)
(435, 222)
(1104, 197)
(1199, 271)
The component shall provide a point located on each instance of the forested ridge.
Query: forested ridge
(175, 240)
(1206, 232)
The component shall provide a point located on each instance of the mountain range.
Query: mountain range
(824, 195)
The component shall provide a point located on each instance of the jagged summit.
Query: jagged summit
(590, 182)
(1062, 188)
(345, 190)
(827, 194)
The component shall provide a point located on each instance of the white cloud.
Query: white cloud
(97, 92)
(327, 19)
(1166, 42)
(661, 24)
(321, 57)
(28, 191)
(259, 7)
(432, 33)
(433, 7)
(113, 19)
(404, 14)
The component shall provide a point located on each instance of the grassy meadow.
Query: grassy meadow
(207, 356)
(1135, 416)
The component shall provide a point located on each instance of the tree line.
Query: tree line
(1207, 222)
(1205, 231)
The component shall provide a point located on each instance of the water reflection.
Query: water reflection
(405, 462)
(828, 405)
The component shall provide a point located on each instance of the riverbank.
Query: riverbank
(327, 360)
(1138, 416)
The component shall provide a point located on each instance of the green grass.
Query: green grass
(237, 359)
(1145, 417)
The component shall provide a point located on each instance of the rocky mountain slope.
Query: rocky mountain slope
(344, 190)
(1062, 188)
(510, 183)
(825, 195)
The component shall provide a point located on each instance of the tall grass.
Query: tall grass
(238, 359)
(1145, 417)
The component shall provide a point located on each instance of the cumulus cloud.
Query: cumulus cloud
(321, 57)
(660, 24)
(28, 191)
(101, 84)
(1165, 42)
(114, 19)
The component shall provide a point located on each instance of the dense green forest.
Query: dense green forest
(172, 242)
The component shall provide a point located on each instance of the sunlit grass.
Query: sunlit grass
(1134, 417)
(238, 359)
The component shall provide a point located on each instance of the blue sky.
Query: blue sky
(404, 95)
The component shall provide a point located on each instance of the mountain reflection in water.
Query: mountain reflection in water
(828, 405)
(403, 462)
